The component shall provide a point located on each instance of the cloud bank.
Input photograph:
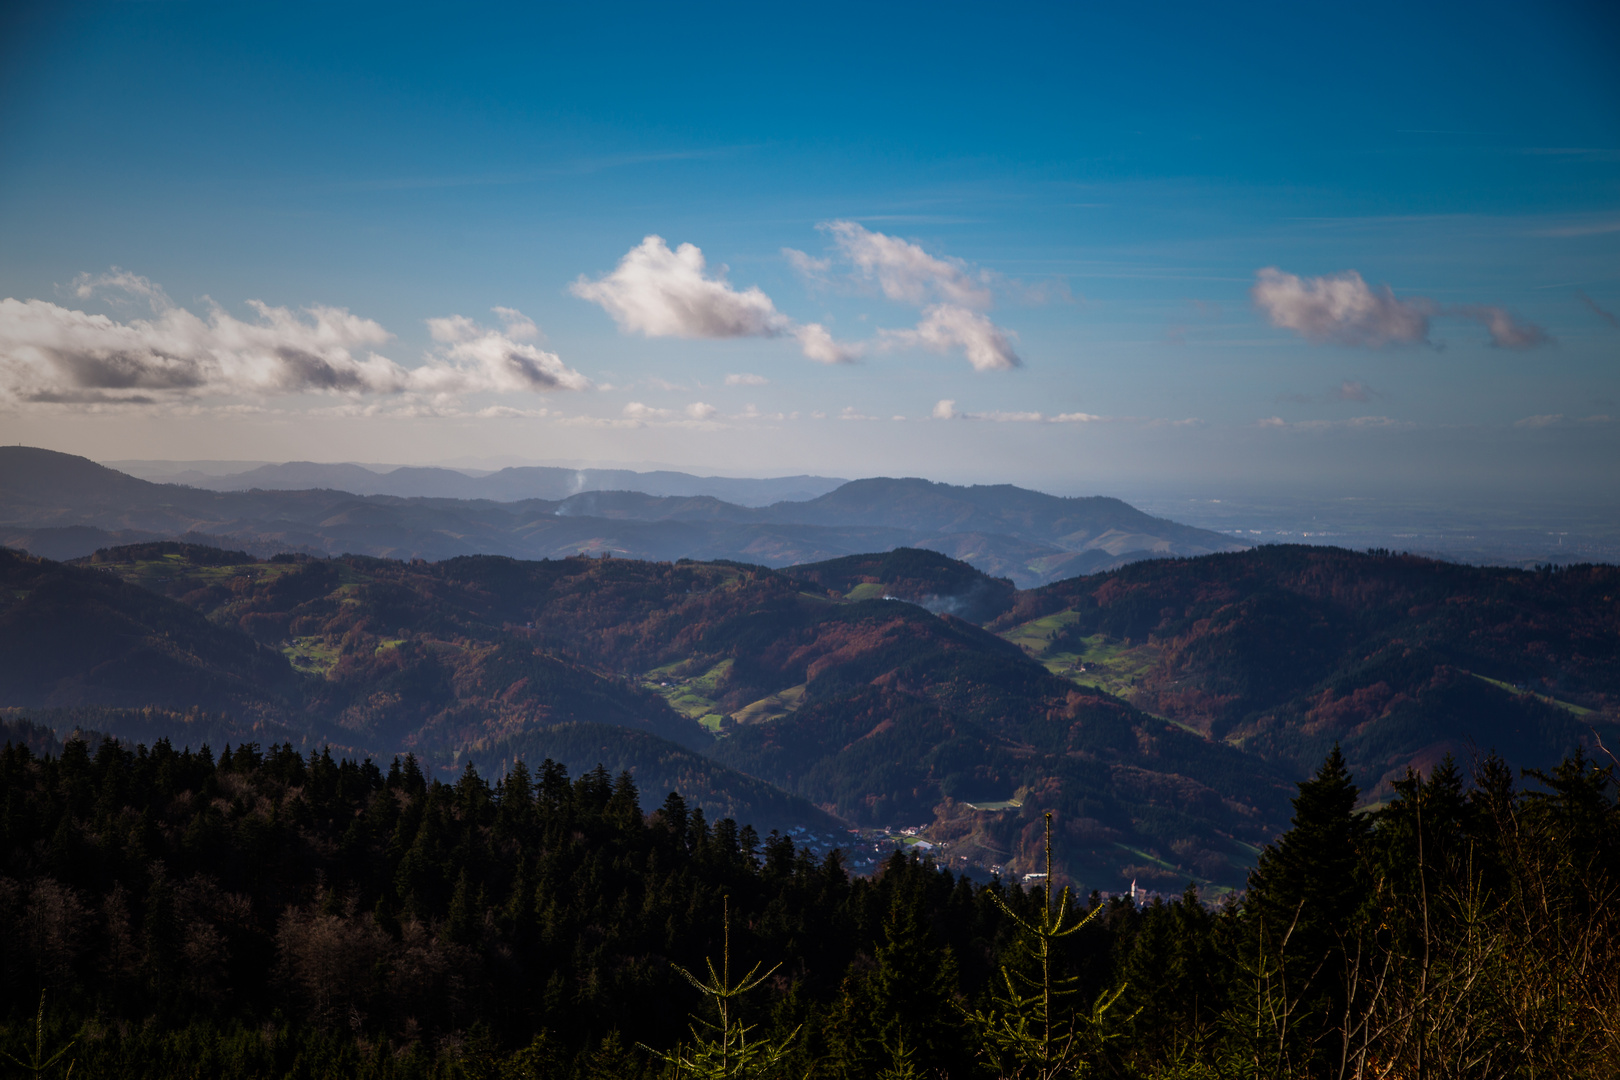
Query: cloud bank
(1343, 309)
(657, 292)
(55, 354)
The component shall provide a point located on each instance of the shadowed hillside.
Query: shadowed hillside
(1286, 650)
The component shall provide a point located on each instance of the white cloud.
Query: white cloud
(751, 412)
(1340, 308)
(49, 353)
(947, 410)
(951, 293)
(52, 353)
(820, 346)
(635, 410)
(700, 410)
(813, 270)
(86, 286)
(745, 379)
(657, 292)
(988, 347)
(904, 271)
(475, 359)
(518, 325)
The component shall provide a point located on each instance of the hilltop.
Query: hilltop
(63, 507)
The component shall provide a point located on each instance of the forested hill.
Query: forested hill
(1161, 710)
(1286, 650)
(79, 636)
(876, 711)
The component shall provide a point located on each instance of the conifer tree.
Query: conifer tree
(726, 1050)
(1030, 1030)
(1302, 901)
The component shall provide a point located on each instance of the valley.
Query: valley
(1161, 710)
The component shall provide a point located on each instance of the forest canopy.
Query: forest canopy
(261, 912)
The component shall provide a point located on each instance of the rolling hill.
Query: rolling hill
(1285, 650)
(1161, 710)
(63, 506)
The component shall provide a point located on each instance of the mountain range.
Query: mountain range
(504, 485)
(1161, 710)
(62, 506)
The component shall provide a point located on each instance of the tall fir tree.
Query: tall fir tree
(1303, 899)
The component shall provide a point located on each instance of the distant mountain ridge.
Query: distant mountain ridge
(63, 506)
(512, 484)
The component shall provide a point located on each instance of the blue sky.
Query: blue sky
(1027, 244)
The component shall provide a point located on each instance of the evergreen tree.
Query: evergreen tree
(1302, 902)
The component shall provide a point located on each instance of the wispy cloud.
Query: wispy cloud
(1201, 311)
(1343, 309)
(904, 272)
(1607, 316)
(1591, 227)
(657, 292)
(946, 409)
(1348, 390)
(124, 286)
(1560, 420)
(988, 347)
(952, 294)
(1354, 423)
(1506, 331)
(745, 379)
(818, 344)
